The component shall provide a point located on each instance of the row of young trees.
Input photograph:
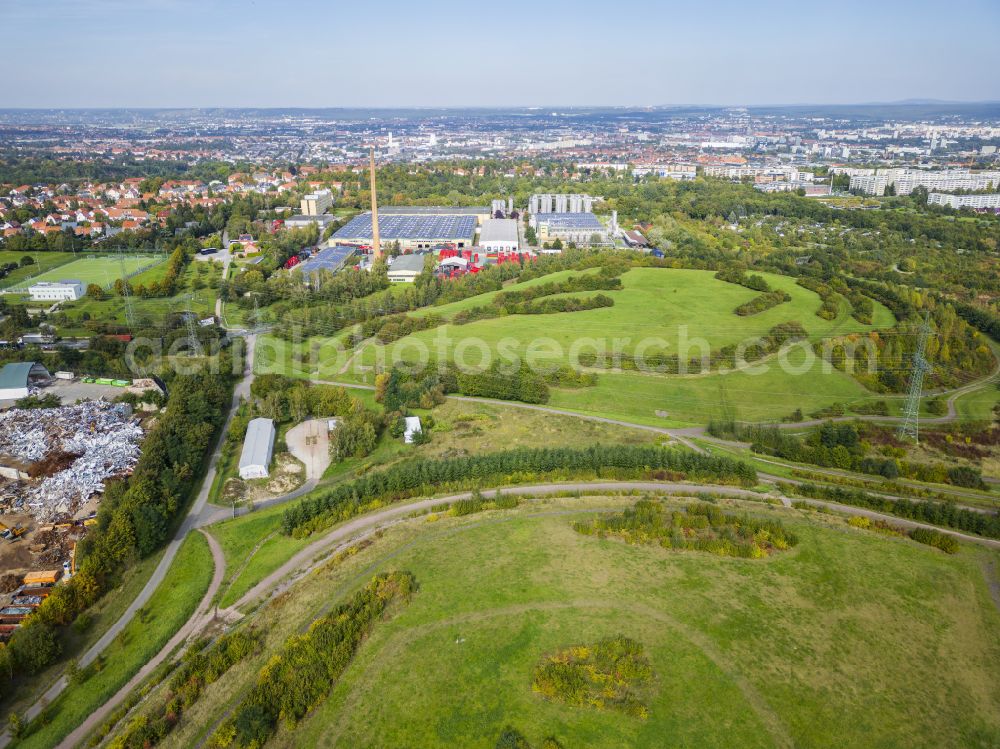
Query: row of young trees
(200, 667)
(945, 514)
(426, 476)
(302, 674)
(840, 445)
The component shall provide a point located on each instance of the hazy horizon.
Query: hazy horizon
(310, 54)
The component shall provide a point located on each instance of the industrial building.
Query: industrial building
(560, 203)
(413, 231)
(406, 268)
(56, 291)
(329, 259)
(481, 212)
(258, 447)
(18, 377)
(579, 228)
(316, 203)
(499, 235)
(303, 221)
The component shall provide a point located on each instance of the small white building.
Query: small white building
(412, 427)
(499, 235)
(56, 291)
(258, 447)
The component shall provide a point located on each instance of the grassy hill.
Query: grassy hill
(661, 306)
(851, 638)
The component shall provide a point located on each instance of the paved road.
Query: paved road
(201, 618)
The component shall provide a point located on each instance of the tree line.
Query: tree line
(427, 476)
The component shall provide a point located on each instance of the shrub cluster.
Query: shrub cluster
(763, 302)
(702, 527)
(604, 675)
(296, 679)
(948, 544)
(830, 307)
(426, 476)
(200, 668)
(393, 327)
(739, 277)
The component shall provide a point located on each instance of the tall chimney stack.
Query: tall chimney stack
(376, 244)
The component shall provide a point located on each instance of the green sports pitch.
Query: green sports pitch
(102, 270)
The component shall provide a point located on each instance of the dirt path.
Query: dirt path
(201, 617)
(285, 576)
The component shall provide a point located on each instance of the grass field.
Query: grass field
(850, 639)
(174, 601)
(102, 270)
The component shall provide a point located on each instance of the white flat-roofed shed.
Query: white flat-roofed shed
(258, 447)
(499, 235)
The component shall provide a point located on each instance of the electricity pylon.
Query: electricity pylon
(193, 344)
(126, 294)
(910, 428)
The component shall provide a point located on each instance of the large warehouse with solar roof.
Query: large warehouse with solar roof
(418, 231)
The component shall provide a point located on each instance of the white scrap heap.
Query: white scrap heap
(102, 435)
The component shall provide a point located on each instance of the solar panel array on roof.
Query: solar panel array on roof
(437, 210)
(329, 258)
(409, 227)
(570, 221)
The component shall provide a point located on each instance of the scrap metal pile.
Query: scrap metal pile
(71, 450)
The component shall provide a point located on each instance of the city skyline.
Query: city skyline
(178, 53)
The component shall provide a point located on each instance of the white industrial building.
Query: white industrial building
(560, 203)
(258, 447)
(499, 235)
(16, 379)
(56, 291)
(983, 201)
(316, 203)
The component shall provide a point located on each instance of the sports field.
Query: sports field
(102, 270)
(851, 638)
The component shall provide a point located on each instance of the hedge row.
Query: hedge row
(299, 677)
(945, 514)
(426, 476)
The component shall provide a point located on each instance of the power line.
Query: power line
(910, 428)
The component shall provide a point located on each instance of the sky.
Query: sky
(424, 53)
